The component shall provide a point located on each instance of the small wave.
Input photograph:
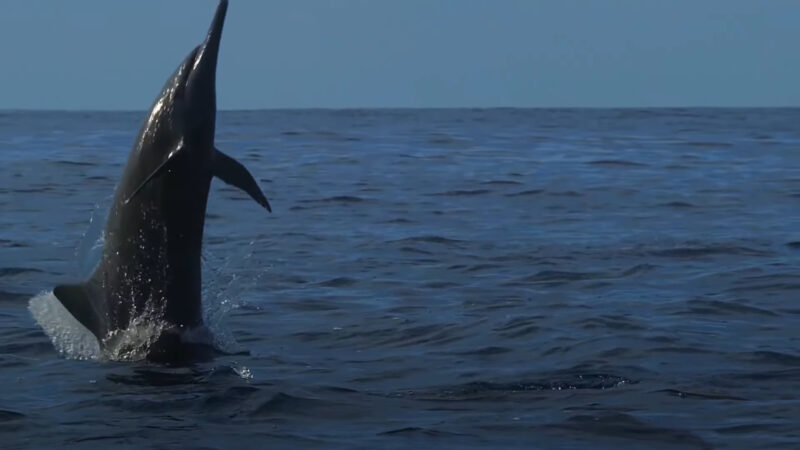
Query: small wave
(336, 199)
(616, 424)
(561, 276)
(677, 204)
(415, 250)
(680, 350)
(481, 267)
(34, 190)
(502, 182)
(419, 431)
(432, 239)
(718, 307)
(12, 244)
(441, 284)
(527, 193)
(608, 322)
(282, 404)
(11, 271)
(157, 377)
(565, 194)
(789, 374)
(616, 163)
(462, 193)
(485, 351)
(120, 437)
(519, 326)
(400, 220)
(772, 357)
(338, 282)
(708, 144)
(776, 286)
(482, 389)
(446, 140)
(699, 395)
(710, 250)
(75, 163)
(7, 416)
(637, 269)
(11, 297)
(231, 397)
(328, 134)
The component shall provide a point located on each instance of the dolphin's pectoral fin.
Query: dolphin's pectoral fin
(75, 297)
(234, 173)
(171, 158)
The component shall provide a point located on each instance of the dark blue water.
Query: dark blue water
(450, 278)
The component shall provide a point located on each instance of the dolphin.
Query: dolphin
(150, 267)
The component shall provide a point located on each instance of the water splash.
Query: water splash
(90, 248)
(134, 342)
(243, 372)
(73, 341)
(225, 280)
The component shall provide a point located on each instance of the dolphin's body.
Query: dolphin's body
(150, 265)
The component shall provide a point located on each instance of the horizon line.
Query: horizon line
(394, 108)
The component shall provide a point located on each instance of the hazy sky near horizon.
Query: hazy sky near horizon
(100, 54)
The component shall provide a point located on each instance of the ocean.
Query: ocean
(455, 278)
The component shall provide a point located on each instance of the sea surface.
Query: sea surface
(466, 278)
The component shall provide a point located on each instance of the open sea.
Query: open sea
(464, 278)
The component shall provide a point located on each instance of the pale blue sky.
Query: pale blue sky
(102, 54)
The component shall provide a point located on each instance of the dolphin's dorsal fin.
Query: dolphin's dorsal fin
(234, 173)
(168, 161)
(77, 299)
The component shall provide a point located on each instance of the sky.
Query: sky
(115, 55)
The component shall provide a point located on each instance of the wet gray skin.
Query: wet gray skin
(151, 263)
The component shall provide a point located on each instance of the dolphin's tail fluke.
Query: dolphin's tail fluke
(78, 300)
